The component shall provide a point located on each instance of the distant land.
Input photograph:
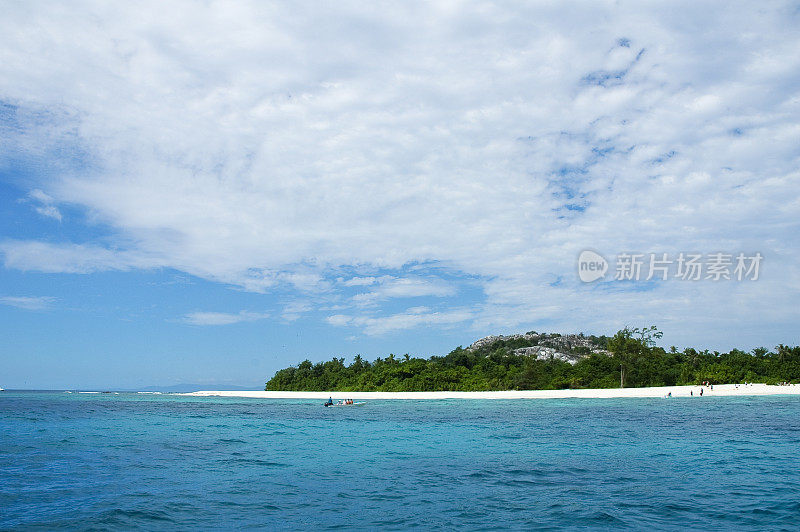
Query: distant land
(182, 388)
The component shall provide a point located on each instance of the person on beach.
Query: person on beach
(701, 392)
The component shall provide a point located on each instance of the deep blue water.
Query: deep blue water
(126, 461)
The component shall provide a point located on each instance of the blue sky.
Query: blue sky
(207, 192)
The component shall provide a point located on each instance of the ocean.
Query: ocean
(167, 462)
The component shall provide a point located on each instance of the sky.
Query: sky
(206, 192)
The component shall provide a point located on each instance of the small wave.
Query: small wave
(518, 483)
(538, 473)
(397, 522)
(507, 436)
(481, 474)
(607, 519)
(764, 512)
(577, 470)
(122, 517)
(253, 461)
(385, 497)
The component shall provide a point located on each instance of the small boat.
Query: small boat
(344, 403)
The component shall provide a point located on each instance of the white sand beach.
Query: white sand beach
(721, 390)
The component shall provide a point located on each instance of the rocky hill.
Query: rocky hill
(544, 346)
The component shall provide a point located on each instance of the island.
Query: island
(624, 364)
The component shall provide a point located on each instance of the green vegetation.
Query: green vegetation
(630, 359)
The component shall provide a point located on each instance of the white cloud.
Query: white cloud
(261, 145)
(70, 258)
(294, 310)
(28, 302)
(359, 281)
(339, 319)
(222, 318)
(49, 211)
(44, 203)
(46, 207)
(412, 318)
(390, 287)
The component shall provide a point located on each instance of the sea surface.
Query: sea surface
(168, 462)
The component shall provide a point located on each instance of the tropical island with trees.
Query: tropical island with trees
(546, 361)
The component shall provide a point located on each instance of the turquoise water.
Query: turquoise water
(81, 461)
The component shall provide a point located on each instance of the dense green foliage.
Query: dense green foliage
(633, 360)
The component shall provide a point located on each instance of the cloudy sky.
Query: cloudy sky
(209, 191)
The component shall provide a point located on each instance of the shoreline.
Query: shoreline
(720, 390)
